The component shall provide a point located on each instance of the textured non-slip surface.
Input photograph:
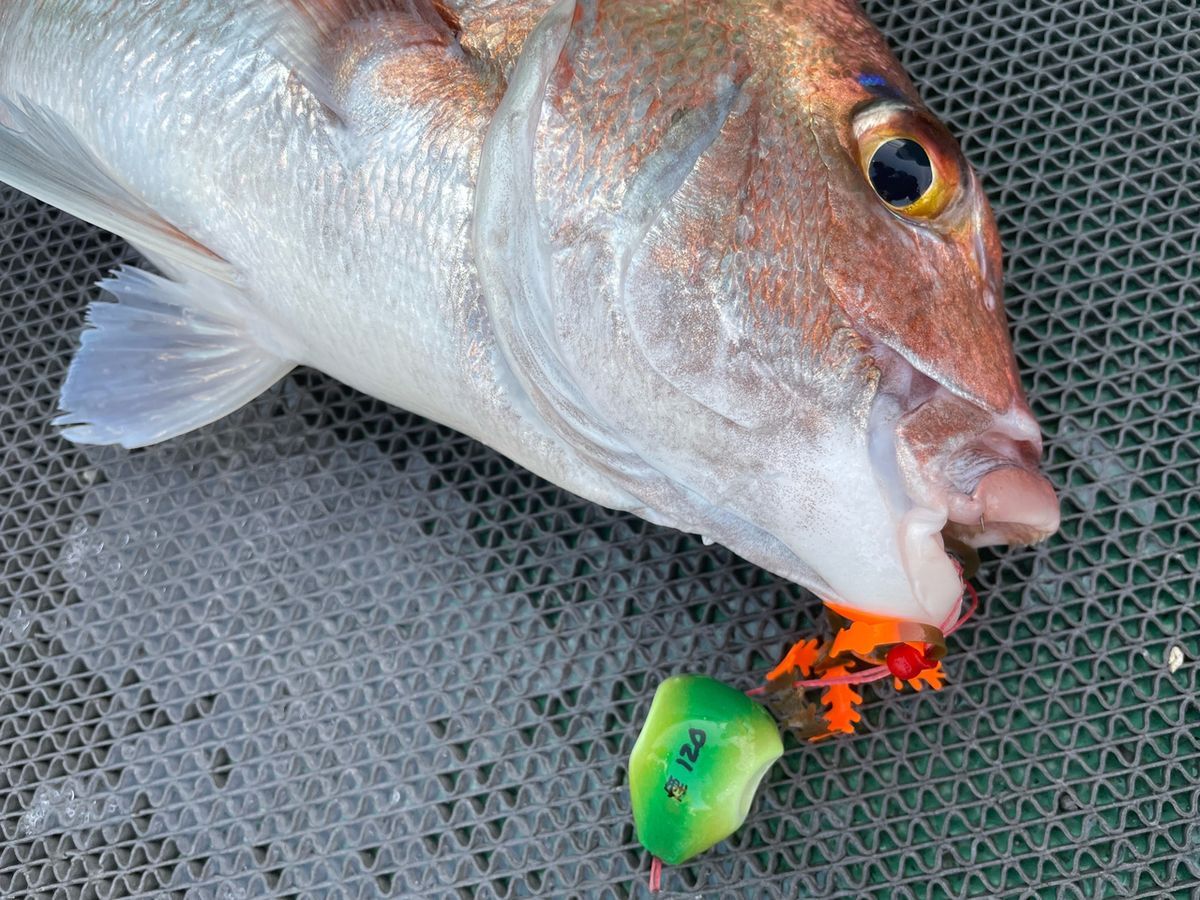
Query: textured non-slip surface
(325, 648)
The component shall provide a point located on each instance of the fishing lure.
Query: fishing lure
(706, 747)
(696, 765)
(861, 650)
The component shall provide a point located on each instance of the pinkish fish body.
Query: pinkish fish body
(712, 263)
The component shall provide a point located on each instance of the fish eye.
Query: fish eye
(911, 162)
(901, 172)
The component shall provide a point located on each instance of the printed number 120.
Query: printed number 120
(689, 753)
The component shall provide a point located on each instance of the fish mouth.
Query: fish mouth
(1009, 505)
(952, 469)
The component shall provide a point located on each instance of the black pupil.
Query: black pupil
(900, 172)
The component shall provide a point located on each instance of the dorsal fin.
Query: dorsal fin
(302, 34)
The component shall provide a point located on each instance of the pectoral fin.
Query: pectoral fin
(170, 355)
(42, 155)
(166, 358)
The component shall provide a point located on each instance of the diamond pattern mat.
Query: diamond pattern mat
(326, 648)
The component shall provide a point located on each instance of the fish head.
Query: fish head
(737, 265)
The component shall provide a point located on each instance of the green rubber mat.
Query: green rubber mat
(326, 648)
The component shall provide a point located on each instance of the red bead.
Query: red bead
(906, 661)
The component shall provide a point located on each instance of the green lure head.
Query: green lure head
(697, 764)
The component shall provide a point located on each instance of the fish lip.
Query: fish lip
(969, 470)
(995, 493)
(985, 517)
(988, 474)
(917, 525)
(932, 575)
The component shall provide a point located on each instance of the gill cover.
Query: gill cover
(515, 258)
(649, 231)
(558, 292)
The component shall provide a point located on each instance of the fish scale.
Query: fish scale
(240, 200)
(597, 607)
(692, 311)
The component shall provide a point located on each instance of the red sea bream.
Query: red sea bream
(709, 262)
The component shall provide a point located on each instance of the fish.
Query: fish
(712, 263)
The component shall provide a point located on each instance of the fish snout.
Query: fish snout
(1000, 497)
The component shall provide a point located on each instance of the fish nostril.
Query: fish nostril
(1030, 454)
